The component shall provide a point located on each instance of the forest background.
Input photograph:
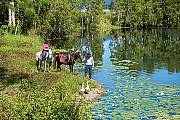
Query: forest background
(60, 20)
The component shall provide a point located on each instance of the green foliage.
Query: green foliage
(3, 10)
(41, 99)
(52, 19)
(31, 14)
(26, 94)
(59, 20)
(146, 13)
(3, 29)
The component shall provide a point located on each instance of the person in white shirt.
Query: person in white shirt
(50, 53)
(89, 64)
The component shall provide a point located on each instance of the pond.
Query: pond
(141, 70)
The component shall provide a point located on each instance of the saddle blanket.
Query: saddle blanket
(62, 58)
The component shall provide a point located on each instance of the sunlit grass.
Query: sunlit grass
(28, 94)
(21, 41)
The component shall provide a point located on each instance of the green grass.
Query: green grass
(28, 94)
(20, 43)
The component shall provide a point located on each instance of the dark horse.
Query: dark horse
(46, 61)
(70, 60)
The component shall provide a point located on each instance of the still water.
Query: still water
(141, 70)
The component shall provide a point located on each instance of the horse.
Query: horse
(69, 60)
(46, 60)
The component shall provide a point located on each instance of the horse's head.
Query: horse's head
(77, 55)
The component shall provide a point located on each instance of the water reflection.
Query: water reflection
(154, 50)
(131, 68)
(141, 69)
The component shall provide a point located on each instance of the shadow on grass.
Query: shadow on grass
(10, 79)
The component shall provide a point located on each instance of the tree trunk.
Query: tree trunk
(12, 15)
(10, 22)
(118, 16)
(17, 26)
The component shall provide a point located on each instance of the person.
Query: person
(45, 47)
(89, 60)
(45, 50)
(50, 53)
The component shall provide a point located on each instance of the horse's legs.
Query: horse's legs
(57, 63)
(37, 64)
(60, 67)
(50, 66)
(40, 65)
(45, 66)
(71, 68)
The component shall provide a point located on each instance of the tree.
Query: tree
(146, 13)
(12, 13)
(4, 5)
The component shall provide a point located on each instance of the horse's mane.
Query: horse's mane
(76, 55)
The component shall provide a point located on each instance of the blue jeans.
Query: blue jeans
(88, 68)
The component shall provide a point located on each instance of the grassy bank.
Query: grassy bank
(27, 94)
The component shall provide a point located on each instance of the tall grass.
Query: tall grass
(27, 94)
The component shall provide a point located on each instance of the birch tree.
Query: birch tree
(11, 14)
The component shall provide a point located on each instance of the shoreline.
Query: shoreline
(95, 93)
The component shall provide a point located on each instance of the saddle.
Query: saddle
(64, 58)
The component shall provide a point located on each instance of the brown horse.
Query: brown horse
(70, 60)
